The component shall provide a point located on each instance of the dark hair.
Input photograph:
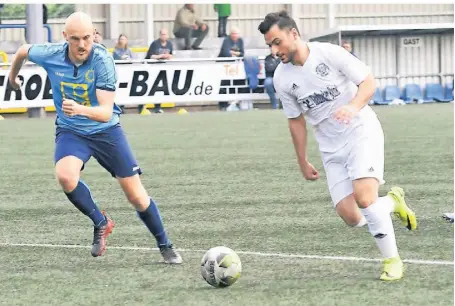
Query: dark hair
(281, 19)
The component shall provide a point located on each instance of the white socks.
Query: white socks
(362, 222)
(388, 203)
(380, 225)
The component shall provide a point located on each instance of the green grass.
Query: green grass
(224, 179)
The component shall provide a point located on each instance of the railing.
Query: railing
(134, 49)
(24, 26)
(174, 60)
(398, 77)
(4, 57)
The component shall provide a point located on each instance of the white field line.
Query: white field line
(277, 255)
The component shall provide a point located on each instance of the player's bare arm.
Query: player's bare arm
(365, 92)
(101, 113)
(297, 127)
(19, 58)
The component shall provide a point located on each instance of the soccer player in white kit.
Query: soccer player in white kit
(326, 86)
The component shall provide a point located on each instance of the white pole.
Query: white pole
(35, 35)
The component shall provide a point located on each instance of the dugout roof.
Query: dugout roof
(378, 30)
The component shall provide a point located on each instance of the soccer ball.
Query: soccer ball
(221, 267)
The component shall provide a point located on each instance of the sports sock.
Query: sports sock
(152, 219)
(81, 197)
(388, 202)
(362, 222)
(381, 227)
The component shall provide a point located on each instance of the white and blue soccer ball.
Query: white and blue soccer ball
(221, 267)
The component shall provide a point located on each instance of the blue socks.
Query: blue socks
(82, 199)
(152, 219)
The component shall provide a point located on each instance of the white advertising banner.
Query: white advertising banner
(143, 83)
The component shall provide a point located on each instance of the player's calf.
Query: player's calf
(67, 171)
(148, 212)
(377, 213)
(350, 213)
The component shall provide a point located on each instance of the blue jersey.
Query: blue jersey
(78, 83)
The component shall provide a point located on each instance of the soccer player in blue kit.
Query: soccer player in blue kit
(83, 80)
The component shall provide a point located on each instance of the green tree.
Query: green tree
(17, 11)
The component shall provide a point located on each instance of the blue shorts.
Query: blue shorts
(110, 148)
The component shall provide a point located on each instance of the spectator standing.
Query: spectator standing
(224, 11)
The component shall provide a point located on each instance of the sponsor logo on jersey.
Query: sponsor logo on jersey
(320, 97)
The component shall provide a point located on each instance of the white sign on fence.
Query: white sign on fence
(414, 42)
(143, 83)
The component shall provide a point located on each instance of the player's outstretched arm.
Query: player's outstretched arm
(297, 127)
(19, 59)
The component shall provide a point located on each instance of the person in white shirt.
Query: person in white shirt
(327, 87)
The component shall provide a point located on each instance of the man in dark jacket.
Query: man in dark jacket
(232, 45)
(160, 49)
(270, 64)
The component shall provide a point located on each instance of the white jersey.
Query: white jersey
(328, 79)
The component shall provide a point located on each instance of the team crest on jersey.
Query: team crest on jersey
(90, 75)
(322, 69)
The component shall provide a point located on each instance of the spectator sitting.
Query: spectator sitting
(188, 25)
(232, 45)
(270, 63)
(98, 38)
(347, 46)
(160, 49)
(122, 52)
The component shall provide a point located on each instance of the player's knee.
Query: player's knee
(366, 191)
(67, 180)
(365, 199)
(139, 200)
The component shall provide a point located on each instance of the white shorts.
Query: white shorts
(360, 158)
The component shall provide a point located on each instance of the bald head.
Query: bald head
(164, 36)
(79, 33)
(78, 20)
(235, 33)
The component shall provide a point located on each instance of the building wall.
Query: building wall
(387, 61)
(376, 14)
(311, 17)
(245, 16)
